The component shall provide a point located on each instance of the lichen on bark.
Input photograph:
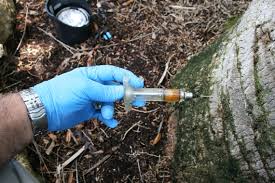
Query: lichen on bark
(7, 12)
(230, 136)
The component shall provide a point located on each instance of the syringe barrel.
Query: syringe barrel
(156, 94)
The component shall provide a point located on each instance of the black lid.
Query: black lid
(67, 33)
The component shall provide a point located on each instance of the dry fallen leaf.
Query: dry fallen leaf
(52, 136)
(71, 177)
(156, 139)
(68, 136)
(79, 126)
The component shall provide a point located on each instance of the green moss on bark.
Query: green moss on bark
(198, 156)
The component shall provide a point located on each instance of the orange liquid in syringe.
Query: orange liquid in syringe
(171, 95)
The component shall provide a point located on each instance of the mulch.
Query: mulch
(146, 34)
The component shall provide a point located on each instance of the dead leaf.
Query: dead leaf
(46, 141)
(127, 2)
(68, 136)
(156, 139)
(71, 177)
(50, 148)
(79, 126)
(52, 136)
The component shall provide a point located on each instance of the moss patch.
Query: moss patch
(232, 22)
(198, 156)
(23, 159)
(266, 140)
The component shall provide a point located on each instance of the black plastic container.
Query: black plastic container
(66, 33)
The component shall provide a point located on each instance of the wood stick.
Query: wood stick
(130, 130)
(24, 31)
(67, 47)
(98, 163)
(142, 111)
(68, 161)
(140, 174)
(165, 70)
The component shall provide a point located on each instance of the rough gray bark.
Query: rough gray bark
(230, 137)
(7, 13)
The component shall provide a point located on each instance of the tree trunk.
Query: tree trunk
(230, 136)
(7, 13)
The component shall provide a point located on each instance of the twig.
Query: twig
(75, 141)
(130, 130)
(39, 154)
(127, 2)
(107, 136)
(76, 172)
(89, 139)
(140, 174)
(14, 84)
(137, 110)
(68, 161)
(50, 148)
(137, 153)
(128, 41)
(160, 126)
(182, 7)
(165, 70)
(24, 31)
(67, 47)
(98, 163)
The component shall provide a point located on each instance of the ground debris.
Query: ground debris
(145, 35)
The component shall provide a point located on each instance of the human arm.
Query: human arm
(15, 126)
(68, 99)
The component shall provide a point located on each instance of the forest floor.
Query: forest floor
(148, 36)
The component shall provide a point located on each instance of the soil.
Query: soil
(145, 36)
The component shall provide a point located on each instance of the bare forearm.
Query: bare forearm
(15, 126)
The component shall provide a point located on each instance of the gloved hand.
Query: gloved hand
(72, 97)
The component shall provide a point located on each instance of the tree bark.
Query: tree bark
(230, 136)
(7, 15)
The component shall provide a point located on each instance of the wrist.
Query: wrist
(35, 110)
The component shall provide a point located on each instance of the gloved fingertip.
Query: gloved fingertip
(139, 103)
(111, 123)
(137, 82)
(107, 111)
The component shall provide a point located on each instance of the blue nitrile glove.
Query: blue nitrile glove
(72, 97)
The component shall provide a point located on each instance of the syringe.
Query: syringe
(153, 94)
